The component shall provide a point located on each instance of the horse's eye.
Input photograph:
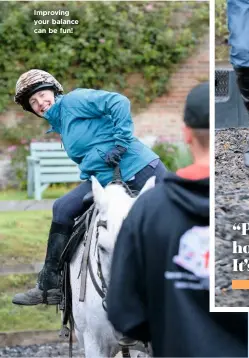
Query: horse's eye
(102, 223)
(103, 249)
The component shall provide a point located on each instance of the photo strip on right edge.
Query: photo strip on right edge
(231, 291)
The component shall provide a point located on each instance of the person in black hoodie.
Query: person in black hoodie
(159, 285)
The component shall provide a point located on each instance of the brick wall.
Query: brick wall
(163, 117)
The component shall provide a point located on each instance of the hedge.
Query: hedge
(221, 31)
(112, 42)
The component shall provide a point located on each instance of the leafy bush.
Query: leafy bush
(174, 156)
(221, 30)
(17, 141)
(113, 42)
(18, 156)
(26, 131)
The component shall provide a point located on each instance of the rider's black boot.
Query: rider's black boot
(47, 289)
(242, 74)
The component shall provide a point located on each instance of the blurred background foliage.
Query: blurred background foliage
(130, 47)
(221, 31)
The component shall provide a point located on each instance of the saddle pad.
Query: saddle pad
(76, 237)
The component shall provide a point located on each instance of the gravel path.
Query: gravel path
(42, 351)
(232, 207)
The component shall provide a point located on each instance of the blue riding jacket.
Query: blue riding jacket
(238, 25)
(92, 122)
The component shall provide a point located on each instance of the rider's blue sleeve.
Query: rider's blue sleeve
(238, 26)
(98, 103)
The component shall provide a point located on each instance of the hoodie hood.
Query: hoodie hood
(191, 195)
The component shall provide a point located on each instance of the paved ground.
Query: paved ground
(23, 205)
(34, 267)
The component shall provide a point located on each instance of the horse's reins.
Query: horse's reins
(86, 262)
(101, 290)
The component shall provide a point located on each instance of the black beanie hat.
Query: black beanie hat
(196, 113)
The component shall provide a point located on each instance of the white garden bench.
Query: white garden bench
(49, 163)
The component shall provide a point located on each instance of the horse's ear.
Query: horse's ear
(99, 194)
(150, 183)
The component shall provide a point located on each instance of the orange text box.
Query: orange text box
(240, 284)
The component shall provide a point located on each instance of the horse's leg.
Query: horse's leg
(87, 317)
(94, 348)
(78, 307)
(79, 337)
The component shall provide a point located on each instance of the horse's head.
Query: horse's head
(113, 203)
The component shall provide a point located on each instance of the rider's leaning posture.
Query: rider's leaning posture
(238, 25)
(96, 129)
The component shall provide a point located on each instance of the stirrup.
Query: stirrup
(127, 342)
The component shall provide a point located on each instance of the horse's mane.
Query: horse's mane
(130, 192)
(117, 193)
(119, 204)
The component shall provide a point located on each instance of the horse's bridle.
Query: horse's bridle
(86, 262)
(103, 223)
(103, 289)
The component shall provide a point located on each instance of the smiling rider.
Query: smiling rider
(97, 132)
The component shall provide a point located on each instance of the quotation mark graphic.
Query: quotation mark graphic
(243, 227)
(236, 227)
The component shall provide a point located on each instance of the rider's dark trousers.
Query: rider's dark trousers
(69, 206)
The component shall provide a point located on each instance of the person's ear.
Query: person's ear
(187, 134)
(99, 195)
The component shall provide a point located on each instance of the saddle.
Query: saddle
(78, 230)
(88, 200)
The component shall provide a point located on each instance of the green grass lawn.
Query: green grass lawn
(23, 236)
(14, 283)
(52, 192)
(21, 318)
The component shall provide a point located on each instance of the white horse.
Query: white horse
(92, 329)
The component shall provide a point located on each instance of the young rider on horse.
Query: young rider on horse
(96, 129)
